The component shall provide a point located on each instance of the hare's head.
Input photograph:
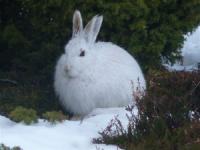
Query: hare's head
(79, 51)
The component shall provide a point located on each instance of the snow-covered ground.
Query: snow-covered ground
(191, 48)
(68, 135)
(190, 53)
(74, 135)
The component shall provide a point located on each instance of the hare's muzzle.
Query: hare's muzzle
(66, 68)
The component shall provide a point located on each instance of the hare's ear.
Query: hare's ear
(92, 28)
(77, 24)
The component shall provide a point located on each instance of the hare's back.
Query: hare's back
(116, 58)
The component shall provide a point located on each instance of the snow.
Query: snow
(190, 53)
(178, 67)
(68, 135)
(76, 135)
(191, 48)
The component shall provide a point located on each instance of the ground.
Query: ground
(69, 135)
(76, 135)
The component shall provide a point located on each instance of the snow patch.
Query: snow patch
(191, 48)
(190, 53)
(69, 135)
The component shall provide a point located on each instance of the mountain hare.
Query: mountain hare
(94, 74)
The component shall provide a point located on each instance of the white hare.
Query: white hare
(95, 74)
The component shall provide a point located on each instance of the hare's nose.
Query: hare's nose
(66, 68)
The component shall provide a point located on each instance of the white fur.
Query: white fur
(105, 77)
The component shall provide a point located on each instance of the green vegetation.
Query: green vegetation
(20, 114)
(3, 147)
(33, 35)
(168, 116)
(29, 96)
(54, 116)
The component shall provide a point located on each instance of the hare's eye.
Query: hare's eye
(82, 53)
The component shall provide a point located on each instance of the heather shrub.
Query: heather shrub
(21, 114)
(168, 118)
(173, 95)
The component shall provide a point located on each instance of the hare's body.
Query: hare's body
(105, 77)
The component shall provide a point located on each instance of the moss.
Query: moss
(27, 95)
(3, 147)
(54, 116)
(21, 114)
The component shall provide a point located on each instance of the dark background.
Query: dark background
(33, 34)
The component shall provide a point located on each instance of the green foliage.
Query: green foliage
(168, 116)
(3, 147)
(28, 96)
(33, 35)
(21, 114)
(54, 116)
